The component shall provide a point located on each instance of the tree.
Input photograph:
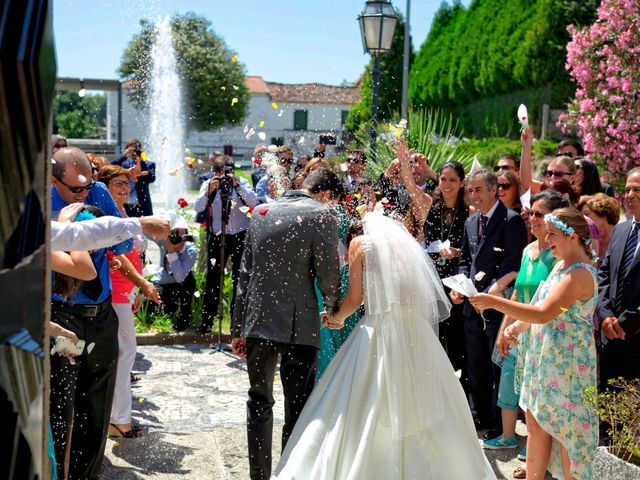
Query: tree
(79, 117)
(213, 79)
(604, 62)
(390, 87)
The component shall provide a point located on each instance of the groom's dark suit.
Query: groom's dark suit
(620, 358)
(290, 244)
(496, 253)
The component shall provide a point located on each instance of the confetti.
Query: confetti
(281, 112)
(235, 87)
(357, 195)
(564, 309)
(274, 106)
(234, 59)
(90, 347)
(275, 379)
(213, 262)
(344, 167)
(377, 192)
(245, 129)
(189, 160)
(187, 151)
(263, 212)
(261, 123)
(256, 161)
(244, 209)
(163, 141)
(299, 218)
(301, 141)
(53, 161)
(498, 249)
(234, 100)
(141, 400)
(272, 148)
(143, 156)
(223, 88)
(116, 444)
(347, 198)
(200, 162)
(250, 134)
(196, 294)
(82, 178)
(384, 200)
(479, 276)
(278, 222)
(262, 136)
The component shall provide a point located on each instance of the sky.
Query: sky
(288, 41)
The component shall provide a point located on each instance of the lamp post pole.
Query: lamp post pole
(375, 77)
(405, 64)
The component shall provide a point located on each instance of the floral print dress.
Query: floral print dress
(560, 365)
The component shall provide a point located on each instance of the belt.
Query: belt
(80, 310)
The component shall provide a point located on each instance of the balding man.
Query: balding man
(81, 393)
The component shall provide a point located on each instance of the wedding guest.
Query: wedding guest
(604, 211)
(58, 142)
(509, 190)
(587, 179)
(259, 171)
(289, 245)
(143, 173)
(494, 238)
(619, 296)
(560, 361)
(445, 222)
(571, 148)
(123, 279)
(537, 263)
(508, 161)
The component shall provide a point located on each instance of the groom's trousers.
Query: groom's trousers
(297, 374)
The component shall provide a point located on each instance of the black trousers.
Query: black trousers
(484, 375)
(177, 299)
(81, 394)
(451, 333)
(298, 366)
(233, 247)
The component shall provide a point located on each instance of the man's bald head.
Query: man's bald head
(71, 168)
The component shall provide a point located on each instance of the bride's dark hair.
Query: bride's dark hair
(355, 230)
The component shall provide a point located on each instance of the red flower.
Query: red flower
(347, 198)
(182, 203)
(263, 212)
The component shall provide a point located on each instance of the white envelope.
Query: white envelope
(460, 284)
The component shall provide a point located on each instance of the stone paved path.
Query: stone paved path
(191, 403)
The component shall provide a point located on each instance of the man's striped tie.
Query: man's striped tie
(625, 264)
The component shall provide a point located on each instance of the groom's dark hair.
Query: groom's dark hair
(322, 180)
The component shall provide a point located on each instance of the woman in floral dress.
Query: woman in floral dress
(560, 363)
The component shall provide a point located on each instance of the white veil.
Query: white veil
(403, 287)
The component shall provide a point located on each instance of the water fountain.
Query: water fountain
(166, 121)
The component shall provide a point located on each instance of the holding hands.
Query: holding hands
(333, 322)
(612, 329)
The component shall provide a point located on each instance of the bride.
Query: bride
(389, 406)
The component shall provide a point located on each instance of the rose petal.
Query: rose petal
(213, 262)
(261, 123)
(235, 87)
(90, 347)
(234, 58)
(262, 136)
(234, 100)
(274, 106)
(141, 400)
(263, 212)
(361, 209)
(281, 112)
(196, 294)
(244, 209)
(479, 276)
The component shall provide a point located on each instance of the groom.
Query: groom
(290, 244)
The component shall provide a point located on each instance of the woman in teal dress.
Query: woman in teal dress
(537, 263)
(560, 362)
(332, 340)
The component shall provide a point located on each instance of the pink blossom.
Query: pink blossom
(572, 347)
(570, 406)
(586, 426)
(582, 368)
(560, 325)
(554, 383)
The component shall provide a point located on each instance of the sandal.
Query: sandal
(520, 472)
(134, 432)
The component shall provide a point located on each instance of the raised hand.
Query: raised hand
(68, 213)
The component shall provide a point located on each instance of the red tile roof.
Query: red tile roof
(313, 93)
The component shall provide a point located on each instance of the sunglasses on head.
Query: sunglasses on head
(497, 168)
(73, 189)
(555, 173)
(504, 186)
(565, 154)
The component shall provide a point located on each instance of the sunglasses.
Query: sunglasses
(555, 173)
(497, 168)
(565, 154)
(73, 189)
(535, 213)
(504, 186)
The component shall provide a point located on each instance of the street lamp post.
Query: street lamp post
(377, 25)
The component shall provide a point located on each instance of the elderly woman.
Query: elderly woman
(604, 211)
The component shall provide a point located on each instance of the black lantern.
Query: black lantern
(377, 26)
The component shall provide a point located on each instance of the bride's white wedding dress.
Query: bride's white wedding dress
(389, 406)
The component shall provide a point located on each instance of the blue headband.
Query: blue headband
(84, 215)
(559, 224)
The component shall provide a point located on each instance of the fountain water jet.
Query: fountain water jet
(166, 121)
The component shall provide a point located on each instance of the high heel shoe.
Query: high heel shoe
(134, 432)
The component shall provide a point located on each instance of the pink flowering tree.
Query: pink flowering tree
(604, 61)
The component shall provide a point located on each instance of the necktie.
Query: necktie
(483, 225)
(625, 264)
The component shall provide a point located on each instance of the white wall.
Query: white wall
(321, 118)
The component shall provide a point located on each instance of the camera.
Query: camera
(175, 238)
(226, 182)
(138, 149)
(327, 139)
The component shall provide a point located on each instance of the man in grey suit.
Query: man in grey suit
(290, 244)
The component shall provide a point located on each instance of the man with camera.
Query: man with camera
(225, 198)
(143, 173)
(175, 281)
